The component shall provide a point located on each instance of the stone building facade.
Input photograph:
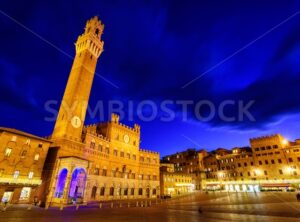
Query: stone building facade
(272, 163)
(189, 162)
(22, 157)
(174, 183)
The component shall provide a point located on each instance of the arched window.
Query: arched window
(92, 145)
(140, 191)
(94, 192)
(111, 191)
(132, 191)
(24, 152)
(102, 191)
(61, 183)
(154, 191)
(8, 151)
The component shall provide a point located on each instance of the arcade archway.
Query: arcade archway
(77, 183)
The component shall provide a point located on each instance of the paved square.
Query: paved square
(215, 207)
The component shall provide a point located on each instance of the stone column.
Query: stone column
(86, 193)
(16, 195)
(67, 188)
(2, 190)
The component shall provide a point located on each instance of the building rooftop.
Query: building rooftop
(15, 131)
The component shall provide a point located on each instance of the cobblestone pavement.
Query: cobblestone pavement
(215, 207)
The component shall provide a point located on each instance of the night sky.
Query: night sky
(152, 49)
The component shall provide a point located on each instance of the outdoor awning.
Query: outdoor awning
(275, 185)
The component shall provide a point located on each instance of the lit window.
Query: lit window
(8, 152)
(16, 174)
(30, 175)
(14, 138)
(36, 156)
(25, 193)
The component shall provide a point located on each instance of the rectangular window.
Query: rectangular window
(122, 154)
(266, 162)
(128, 155)
(290, 159)
(107, 150)
(40, 145)
(100, 147)
(36, 157)
(272, 161)
(280, 172)
(259, 162)
(30, 175)
(104, 172)
(134, 157)
(14, 138)
(266, 173)
(279, 161)
(16, 174)
(298, 158)
(25, 193)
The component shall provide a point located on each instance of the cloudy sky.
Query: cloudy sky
(234, 50)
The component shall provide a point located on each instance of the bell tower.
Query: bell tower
(72, 112)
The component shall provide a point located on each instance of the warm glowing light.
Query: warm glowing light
(220, 174)
(285, 142)
(257, 172)
(289, 169)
